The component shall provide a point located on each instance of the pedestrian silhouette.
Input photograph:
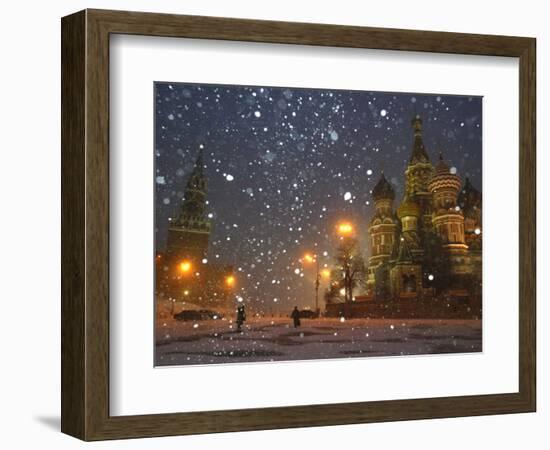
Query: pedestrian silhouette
(241, 317)
(295, 314)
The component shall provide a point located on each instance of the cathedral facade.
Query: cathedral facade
(430, 244)
(184, 273)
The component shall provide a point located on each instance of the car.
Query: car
(200, 314)
(308, 314)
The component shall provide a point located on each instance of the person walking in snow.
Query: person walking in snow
(295, 317)
(241, 317)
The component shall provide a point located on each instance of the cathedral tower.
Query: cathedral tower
(406, 274)
(382, 229)
(469, 200)
(410, 213)
(418, 174)
(448, 219)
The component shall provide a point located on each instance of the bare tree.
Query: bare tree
(351, 266)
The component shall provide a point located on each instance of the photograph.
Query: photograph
(295, 223)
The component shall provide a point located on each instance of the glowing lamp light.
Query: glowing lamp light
(185, 266)
(230, 280)
(345, 229)
(309, 258)
(325, 273)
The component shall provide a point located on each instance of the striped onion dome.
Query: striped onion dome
(443, 178)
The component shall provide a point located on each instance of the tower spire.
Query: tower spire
(417, 125)
(419, 154)
(193, 209)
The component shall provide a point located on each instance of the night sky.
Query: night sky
(284, 165)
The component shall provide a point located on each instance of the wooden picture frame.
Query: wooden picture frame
(85, 224)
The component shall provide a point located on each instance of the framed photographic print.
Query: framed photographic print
(271, 224)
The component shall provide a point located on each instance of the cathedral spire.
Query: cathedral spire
(419, 154)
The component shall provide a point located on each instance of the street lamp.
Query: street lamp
(309, 258)
(185, 266)
(345, 229)
(229, 281)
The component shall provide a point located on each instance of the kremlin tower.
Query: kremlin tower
(184, 272)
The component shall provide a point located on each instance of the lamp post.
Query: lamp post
(184, 267)
(314, 258)
(346, 230)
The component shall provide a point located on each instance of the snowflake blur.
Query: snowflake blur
(285, 165)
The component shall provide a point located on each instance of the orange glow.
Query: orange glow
(325, 273)
(345, 229)
(309, 258)
(185, 266)
(230, 280)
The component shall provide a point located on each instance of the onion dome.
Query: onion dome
(419, 154)
(383, 190)
(469, 198)
(408, 207)
(444, 177)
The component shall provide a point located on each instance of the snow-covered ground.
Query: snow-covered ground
(275, 339)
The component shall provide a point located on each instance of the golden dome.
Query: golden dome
(408, 207)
